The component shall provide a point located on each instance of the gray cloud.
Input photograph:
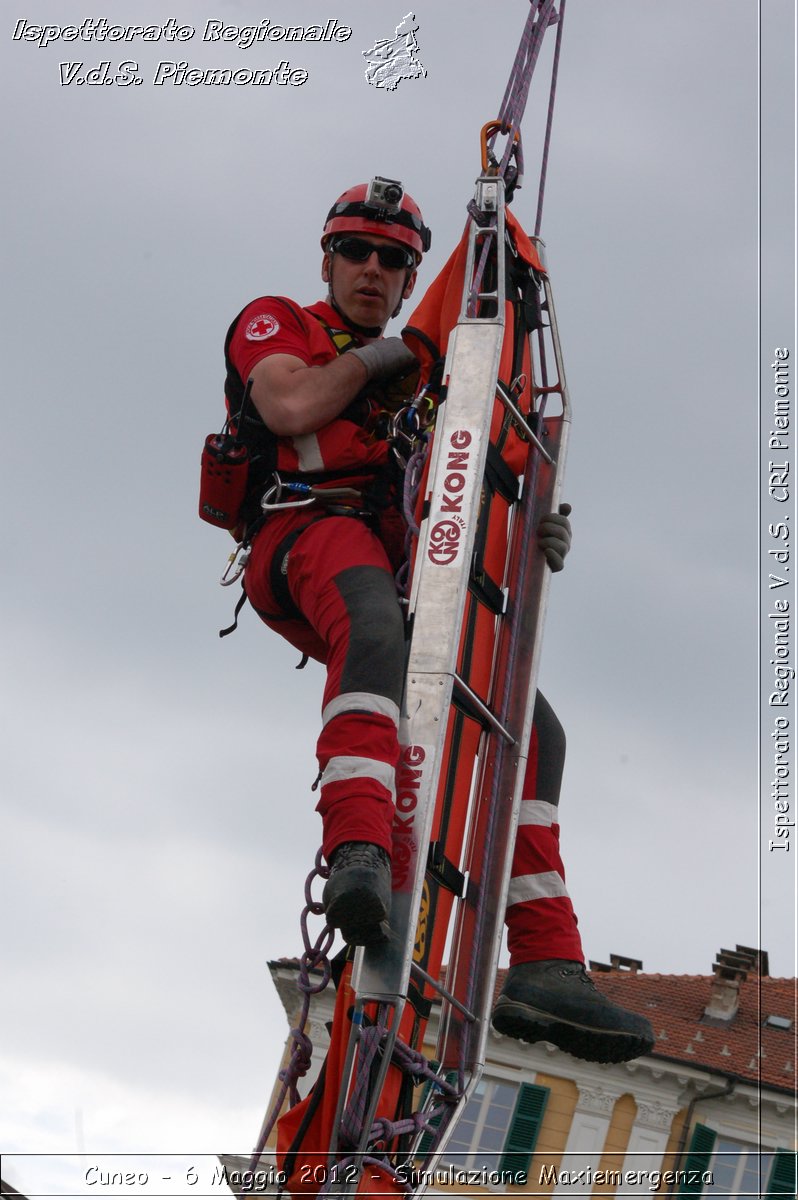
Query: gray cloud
(157, 780)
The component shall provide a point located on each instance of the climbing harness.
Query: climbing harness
(238, 492)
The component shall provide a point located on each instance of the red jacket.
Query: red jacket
(344, 448)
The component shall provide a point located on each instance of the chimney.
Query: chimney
(629, 966)
(724, 996)
(620, 963)
(759, 959)
(730, 969)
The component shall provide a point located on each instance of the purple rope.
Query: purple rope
(410, 1062)
(549, 119)
(413, 475)
(515, 97)
(383, 1130)
(313, 956)
(541, 14)
(354, 1114)
(473, 295)
(516, 71)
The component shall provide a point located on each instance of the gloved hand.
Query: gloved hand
(395, 393)
(554, 537)
(387, 358)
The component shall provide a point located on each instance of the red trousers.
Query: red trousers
(326, 584)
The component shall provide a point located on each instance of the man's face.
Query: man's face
(366, 292)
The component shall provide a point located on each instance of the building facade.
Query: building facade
(711, 1112)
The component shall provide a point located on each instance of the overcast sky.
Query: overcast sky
(158, 821)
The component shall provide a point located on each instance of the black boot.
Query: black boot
(357, 896)
(556, 1001)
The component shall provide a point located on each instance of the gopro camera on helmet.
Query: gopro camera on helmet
(371, 207)
(385, 194)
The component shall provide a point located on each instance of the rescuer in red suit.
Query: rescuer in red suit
(322, 576)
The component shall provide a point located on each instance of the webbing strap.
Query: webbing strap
(486, 590)
(444, 870)
(242, 599)
(499, 477)
(278, 578)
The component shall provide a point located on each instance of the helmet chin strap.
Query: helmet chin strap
(370, 331)
(398, 308)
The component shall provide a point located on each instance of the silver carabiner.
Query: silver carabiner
(237, 568)
(278, 506)
(272, 500)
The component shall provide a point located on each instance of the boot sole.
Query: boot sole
(360, 914)
(527, 1024)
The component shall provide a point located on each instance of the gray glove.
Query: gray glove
(387, 358)
(554, 537)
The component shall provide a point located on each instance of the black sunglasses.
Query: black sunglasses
(356, 249)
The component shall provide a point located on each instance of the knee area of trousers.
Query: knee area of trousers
(369, 595)
(548, 727)
(376, 629)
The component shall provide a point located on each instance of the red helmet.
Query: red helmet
(382, 207)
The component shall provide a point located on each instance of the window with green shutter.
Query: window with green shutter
(738, 1169)
(497, 1130)
(478, 1137)
(524, 1129)
(782, 1180)
(702, 1144)
(726, 1167)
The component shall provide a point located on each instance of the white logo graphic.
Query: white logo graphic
(262, 327)
(448, 522)
(393, 59)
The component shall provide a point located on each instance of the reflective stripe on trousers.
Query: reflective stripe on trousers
(340, 579)
(540, 918)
